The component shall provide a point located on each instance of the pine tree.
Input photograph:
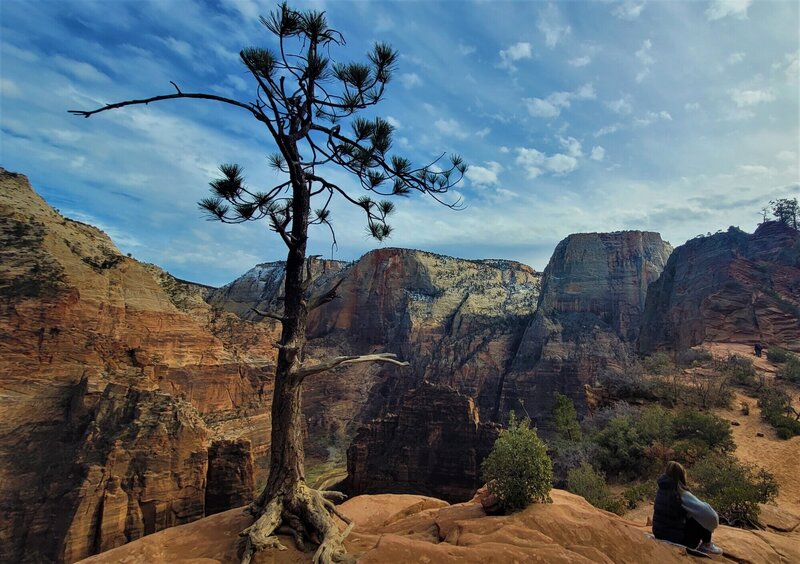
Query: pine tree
(309, 105)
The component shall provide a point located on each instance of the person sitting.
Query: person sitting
(679, 517)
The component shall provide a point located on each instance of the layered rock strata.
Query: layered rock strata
(729, 287)
(592, 300)
(433, 444)
(75, 312)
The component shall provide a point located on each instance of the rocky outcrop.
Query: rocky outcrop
(231, 477)
(592, 300)
(433, 445)
(406, 528)
(729, 287)
(124, 463)
(76, 313)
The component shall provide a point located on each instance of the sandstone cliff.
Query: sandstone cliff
(433, 445)
(729, 287)
(593, 296)
(75, 312)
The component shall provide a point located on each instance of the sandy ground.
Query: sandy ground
(780, 457)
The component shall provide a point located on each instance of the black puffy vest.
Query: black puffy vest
(669, 518)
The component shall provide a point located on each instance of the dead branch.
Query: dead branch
(340, 360)
(267, 314)
(328, 296)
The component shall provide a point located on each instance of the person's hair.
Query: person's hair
(677, 472)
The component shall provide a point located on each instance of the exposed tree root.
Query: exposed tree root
(304, 513)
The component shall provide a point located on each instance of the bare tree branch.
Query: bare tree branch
(390, 358)
(328, 296)
(267, 314)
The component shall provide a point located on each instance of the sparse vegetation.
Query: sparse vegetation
(587, 482)
(732, 488)
(776, 409)
(777, 355)
(790, 371)
(518, 470)
(565, 418)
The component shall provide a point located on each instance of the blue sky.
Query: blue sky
(676, 117)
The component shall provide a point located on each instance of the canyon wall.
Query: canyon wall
(591, 305)
(730, 287)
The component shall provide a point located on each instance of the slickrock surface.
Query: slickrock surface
(433, 445)
(405, 528)
(76, 313)
(592, 300)
(729, 287)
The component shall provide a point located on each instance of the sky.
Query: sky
(675, 117)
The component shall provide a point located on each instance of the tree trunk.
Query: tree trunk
(286, 467)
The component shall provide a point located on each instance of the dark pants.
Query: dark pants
(694, 533)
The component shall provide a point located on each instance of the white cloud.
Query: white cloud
(792, 64)
(79, 69)
(621, 106)
(9, 88)
(515, 52)
(608, 129)
(652, 117)
(572, 146)
(735, 58)
(464, 49)
(182, 48)
(551, 106)
(691, 106)
(450, 127)
(598, 153)
(788, 156)
(580, 61)
(551, 26)
(237, 82)
(756, 170)
(394, 122)
(723, 8)
(410, 80)
(484, 175)
(628, 10)
(481, 133)
(644, 56)
(746, 98)
(537, 163)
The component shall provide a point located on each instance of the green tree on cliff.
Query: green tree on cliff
(786, 210)
(310, 105)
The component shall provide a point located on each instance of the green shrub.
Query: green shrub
(707, 428)
(565, 418)
(518, 470)
(693, 357)
(659, 363)
(740, 370)
(646, 491)
(732, 488)
(777, 355)
(587, 482)
(775, 407)
(790, 371)
(621, 448)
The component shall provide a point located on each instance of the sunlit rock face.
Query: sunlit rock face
(730, 287)
(592, 301)
(76, 312)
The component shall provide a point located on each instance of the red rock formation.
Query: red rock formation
(729, 287)
(406, 528)
(593, 295)
(231, 478)
(433, 445)
(74, 309)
